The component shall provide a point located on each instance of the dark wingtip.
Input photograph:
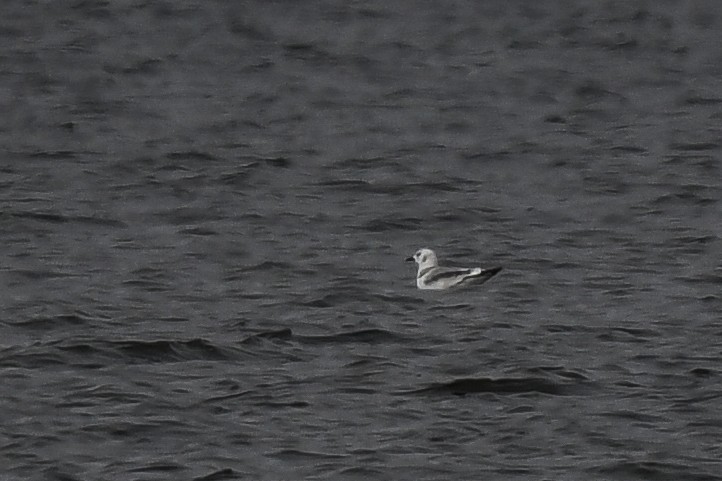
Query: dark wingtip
(487, 274)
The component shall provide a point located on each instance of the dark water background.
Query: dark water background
(205, 207)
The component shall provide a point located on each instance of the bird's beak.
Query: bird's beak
(409, 259)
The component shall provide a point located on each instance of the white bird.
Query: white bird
(431, 276)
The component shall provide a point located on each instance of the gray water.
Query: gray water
(205, 207)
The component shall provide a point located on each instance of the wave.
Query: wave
(461, 387)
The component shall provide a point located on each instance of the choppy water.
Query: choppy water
(206, 207)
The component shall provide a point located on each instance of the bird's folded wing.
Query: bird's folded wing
(442, 273)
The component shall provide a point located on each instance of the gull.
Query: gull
(431, 276)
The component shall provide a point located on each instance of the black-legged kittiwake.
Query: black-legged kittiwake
(431, 276)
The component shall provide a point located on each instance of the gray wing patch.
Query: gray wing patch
(450, 274)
